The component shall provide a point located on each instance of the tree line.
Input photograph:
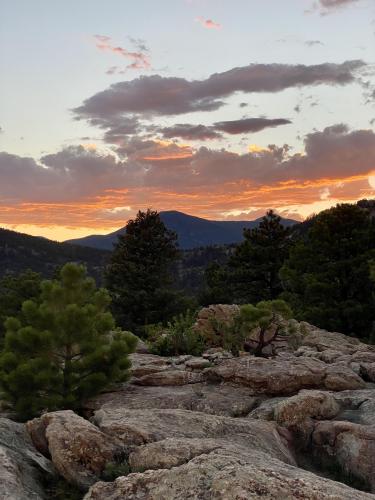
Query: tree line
(63, 340)
(321, 268)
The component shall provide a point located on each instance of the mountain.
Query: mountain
(192, 232)
(20, 251)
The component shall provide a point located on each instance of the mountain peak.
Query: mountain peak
(192, 231)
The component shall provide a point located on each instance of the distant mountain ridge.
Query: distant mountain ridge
(192, 232)
(20, 251)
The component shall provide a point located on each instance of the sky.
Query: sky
(220, 109)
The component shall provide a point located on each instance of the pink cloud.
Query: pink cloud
(208, 23)
(139, 59)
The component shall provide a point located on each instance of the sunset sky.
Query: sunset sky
(217, 108)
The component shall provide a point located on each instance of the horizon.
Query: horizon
(214, 110)
(124, 225)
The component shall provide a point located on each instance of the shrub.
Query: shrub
(116, 469)
(180, 337)
(254, 328)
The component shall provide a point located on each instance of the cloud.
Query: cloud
(142, 152)
(71, 174)
(313, 43)
(190, 132)
(139, 43)
(334, 4)
(327, 6)
(157, 95)
(193, 132)
(82, 188)
(208, 23)
(139, 60)
(247, 125)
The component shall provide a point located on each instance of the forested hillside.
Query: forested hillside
(20, 251)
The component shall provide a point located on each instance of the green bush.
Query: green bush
(113, 470)
(226, 334)
(179, 337)
(254, 328)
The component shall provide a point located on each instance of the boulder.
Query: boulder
(357, 406)
(197, 363)
(139, 427)
(224, 399)
(266, 409)
(142, 347)
(180, 360)
(169, 377)
(348, 446)
(212, 319)
(225, 473)
(170, 453)
(284, 374)
(78, 449)
(307, 404)
(22, 467)
(145, 364)
(216, 354)
(299, 412)
(322, 340)
(340, 377)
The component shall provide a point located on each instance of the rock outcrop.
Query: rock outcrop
(227, 400)
(78, 449)
(22, 468)
(215, 315)
(295, 426)
(285, 374)
(139, 427)
(175, 419)
(346, 445)
(226, 473)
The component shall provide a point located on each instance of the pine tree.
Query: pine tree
(64, 347)
(216, 289)
(327, 276)
(14, 290)
(252, 272)
(138, 276)
(270, 320)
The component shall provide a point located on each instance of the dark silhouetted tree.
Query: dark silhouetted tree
(14, 290)
(327, 276)
(252, 272)
(138, 276)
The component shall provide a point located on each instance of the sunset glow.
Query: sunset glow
(225, 122)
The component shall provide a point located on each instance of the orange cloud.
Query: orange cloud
(208, 23)
(92, 191)
(140, 59)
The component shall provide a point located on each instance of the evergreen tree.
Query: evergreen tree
(327, 277)
(64, 347)
(138, 276)
(216, 290)
(270, 319)
(252, 272)
(14, 290)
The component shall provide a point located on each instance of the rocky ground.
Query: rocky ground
(300, 425)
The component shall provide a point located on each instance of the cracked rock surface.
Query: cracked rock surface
(298, 426)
